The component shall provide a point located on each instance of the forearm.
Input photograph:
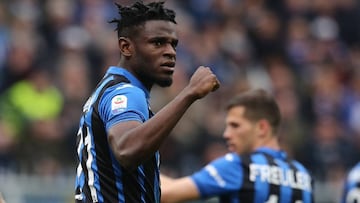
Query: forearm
(134, 142)
(178, 190)
(141, 142)
(165, 180)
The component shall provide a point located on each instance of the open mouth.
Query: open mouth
(170, 64)
(169, 67)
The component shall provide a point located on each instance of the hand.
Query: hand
(202, 82)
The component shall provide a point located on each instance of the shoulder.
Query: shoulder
(228, 162)
(219, 176)
(124, 90)
(354, 174)
(123, 97)
(224, 163)
(228, 158)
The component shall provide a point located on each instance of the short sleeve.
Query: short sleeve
(223, 175)
(123, 102)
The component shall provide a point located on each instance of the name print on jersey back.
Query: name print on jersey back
(273, 178)
(279, 176)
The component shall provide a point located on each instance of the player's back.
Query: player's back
(269, 176)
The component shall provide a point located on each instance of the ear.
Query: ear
(125, 46)
(263, 128)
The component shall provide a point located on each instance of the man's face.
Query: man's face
(155, 53)
(239, 133)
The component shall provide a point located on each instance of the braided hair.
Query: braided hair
(137, 14)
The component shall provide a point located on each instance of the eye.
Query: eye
(159, 42)
(232, 124)
(174, 43)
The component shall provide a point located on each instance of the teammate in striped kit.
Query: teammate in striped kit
(256, 170)
(351, 192)
(119, 137)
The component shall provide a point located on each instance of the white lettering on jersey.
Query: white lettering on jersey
(279, 176)
(91, 181)
(118, 104)
(214, 173)
(88, 103)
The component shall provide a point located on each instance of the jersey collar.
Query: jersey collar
(133, 80)
(272, 152)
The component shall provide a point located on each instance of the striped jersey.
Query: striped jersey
(264, 176)
(351, 192)
(100, 177)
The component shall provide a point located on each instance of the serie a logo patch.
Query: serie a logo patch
(118, 104)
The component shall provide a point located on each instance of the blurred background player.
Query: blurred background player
(256, 170)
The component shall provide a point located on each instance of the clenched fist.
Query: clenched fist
(202, 82)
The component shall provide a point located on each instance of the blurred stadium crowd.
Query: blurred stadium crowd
(307, 52)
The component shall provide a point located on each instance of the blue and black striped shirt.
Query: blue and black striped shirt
(100, 177)
(351, 192)
(263, 176)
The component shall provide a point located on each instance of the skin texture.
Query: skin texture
(242, 136)
(150, 56)
(178, 190)
(153, 53)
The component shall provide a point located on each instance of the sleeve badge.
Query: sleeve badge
(118, 104)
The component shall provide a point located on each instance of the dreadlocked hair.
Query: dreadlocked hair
(138, 13)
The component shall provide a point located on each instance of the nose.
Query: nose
(226, 134)
(170, 52)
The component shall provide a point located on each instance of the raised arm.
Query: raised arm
(134, 142)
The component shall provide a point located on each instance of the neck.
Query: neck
(121, 64)
(126, 66)
(271, 142)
